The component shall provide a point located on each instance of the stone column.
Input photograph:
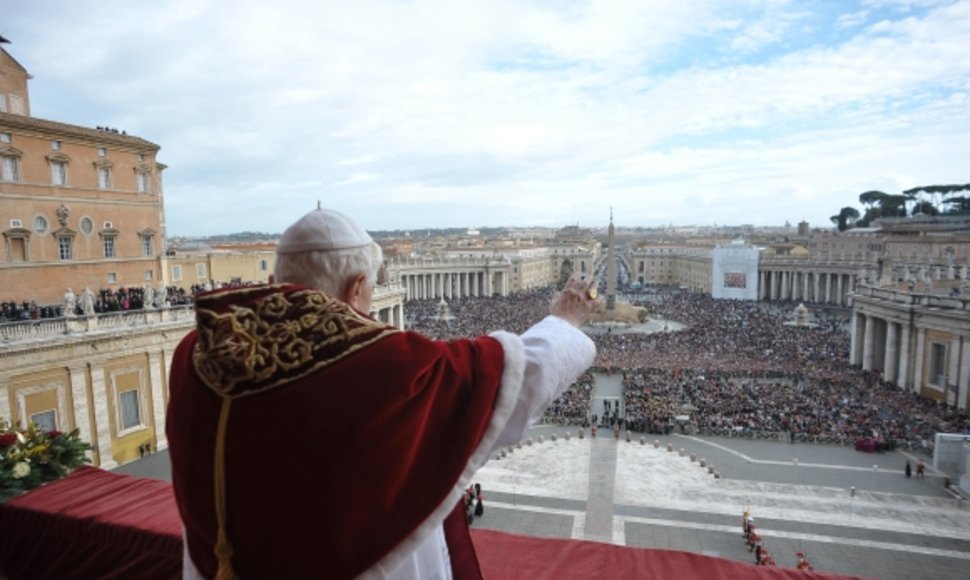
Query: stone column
(805, 276)
(855, 348)
(774, 285)
(868, 344)
(953, 369)
(157, 386)
(101, 418)
(964, 383)
(828, 288)
(816, 286)
(918, 363)
(889, 363)
(761, 285)
(81, 419)
(904, 349)
(475, 284)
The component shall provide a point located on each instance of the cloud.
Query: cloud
(504, 112)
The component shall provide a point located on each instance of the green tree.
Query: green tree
(846, 218)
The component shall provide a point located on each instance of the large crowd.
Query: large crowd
(736, 369)
(109, 300)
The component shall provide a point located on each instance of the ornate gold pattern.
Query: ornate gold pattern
(285, 333)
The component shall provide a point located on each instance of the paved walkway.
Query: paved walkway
(892, 527)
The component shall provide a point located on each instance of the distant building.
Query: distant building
(735, 271)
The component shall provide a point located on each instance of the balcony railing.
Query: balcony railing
(107, 321)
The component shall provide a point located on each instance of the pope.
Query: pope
(309, 440)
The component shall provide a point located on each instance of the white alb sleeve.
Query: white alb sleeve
(555, 354)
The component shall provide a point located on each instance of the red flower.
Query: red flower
(54, 434)
(7, 439)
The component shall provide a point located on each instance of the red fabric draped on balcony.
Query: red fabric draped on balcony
(96, 524)
(92, 524)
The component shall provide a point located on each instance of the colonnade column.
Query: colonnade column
(774, 285)
(816, 287)
(889, 365)
(917, 384)
(964, 383)
(762, 278)
(903, 378)
(951, 375)
(839, 299)
(828, 288)
(855, 346)
(868, 344)
(805, 277)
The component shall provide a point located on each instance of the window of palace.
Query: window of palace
(16, 104)
(112, 278)
(45, 420)
(9, 164)
(143, 180)
(87, 225)
(5, 137)
(58, 163)
(65, 247)
(937, 375)
(56, 145)
(3, 102)
(200, 271)
(18, 242)
(104, 177)
(263, 265)
(147, 238)
(40, 224)
(109, 246)
(109, 240)
(58, 173)
(176, 272)
(149, 275)
(130, 409)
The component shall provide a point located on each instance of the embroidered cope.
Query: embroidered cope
(348, 442)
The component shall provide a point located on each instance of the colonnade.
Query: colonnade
(393, 315)
(917, 358)
(460, 284)
(806, 286)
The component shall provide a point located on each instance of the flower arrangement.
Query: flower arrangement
(31, 456)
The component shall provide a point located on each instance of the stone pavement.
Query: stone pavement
(892, 527)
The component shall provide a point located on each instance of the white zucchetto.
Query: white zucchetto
(323, 229)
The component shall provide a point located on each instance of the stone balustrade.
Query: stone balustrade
(54, 327)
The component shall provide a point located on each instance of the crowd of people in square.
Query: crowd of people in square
(736, 369)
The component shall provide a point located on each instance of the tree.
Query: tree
(925, 208)
(846, 217)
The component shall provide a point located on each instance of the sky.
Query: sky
(415, 114)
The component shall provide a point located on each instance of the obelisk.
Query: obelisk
(611, 271)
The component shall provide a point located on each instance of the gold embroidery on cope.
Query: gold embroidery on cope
(277, 339)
